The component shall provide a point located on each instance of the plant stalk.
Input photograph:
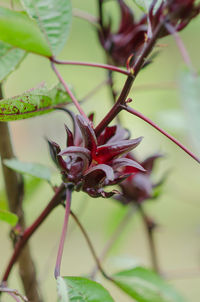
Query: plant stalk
(150, 228)
(64, 232)
(129, 81)
(55, 201)
(74, 100)
(147, 120)
(91, 64)
(14, 190)
(90, 245)
(114, 237)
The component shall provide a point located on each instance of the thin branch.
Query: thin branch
(150, 227)
(100, 9)
(12, 4)
(14, 297)
(114, 238)
(64, 232)
(90, 245)
(14, 292)
(23, 239)
(181, 46)
(147, 120)
(74, 100)
(93, 91)
(91, 64)
(85, 16)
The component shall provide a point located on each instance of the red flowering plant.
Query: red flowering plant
(92, 163)
(132, 34)
(96, 160)
(139, 186)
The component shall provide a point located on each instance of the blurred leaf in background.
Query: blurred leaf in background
(190, 97)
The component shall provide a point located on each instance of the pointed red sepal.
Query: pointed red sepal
(108, 152)
(70, 137)
(88, 134)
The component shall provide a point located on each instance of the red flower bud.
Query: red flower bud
(92, 163)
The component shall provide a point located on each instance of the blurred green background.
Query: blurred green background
(176, 211)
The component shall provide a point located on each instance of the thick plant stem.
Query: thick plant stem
(64, 232)
(129, 81)
(14, 190)
(114, 237)
(115, 110)
(55, 201)
(150, 227)
(113, 92)
(90, 245)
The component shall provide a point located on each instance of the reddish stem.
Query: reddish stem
(90, 245)
(181, 47)
(14, 297)
(92, 92)
(90, 64)
(14, 293)
(63, 235)
(129, 81)
(113, 239)
(147, 120)
(74, 100)
(85, 16)
(31, 230)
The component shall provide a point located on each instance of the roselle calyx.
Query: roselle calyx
(93, 163)
(139, 186)
(130, 37)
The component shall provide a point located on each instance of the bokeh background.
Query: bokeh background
(155, 94)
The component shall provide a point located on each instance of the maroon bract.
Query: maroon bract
(89, 163)
(178, 13)
(138, 186)
(132, 34)
(127, 40)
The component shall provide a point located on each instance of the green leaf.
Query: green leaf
(190, 97)
(10, 58)
(62, 290)
(8, 217)
(32, 103)
(18, 30)
(144, 285)
(84, 290)
(54, 19)
(36, 170)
